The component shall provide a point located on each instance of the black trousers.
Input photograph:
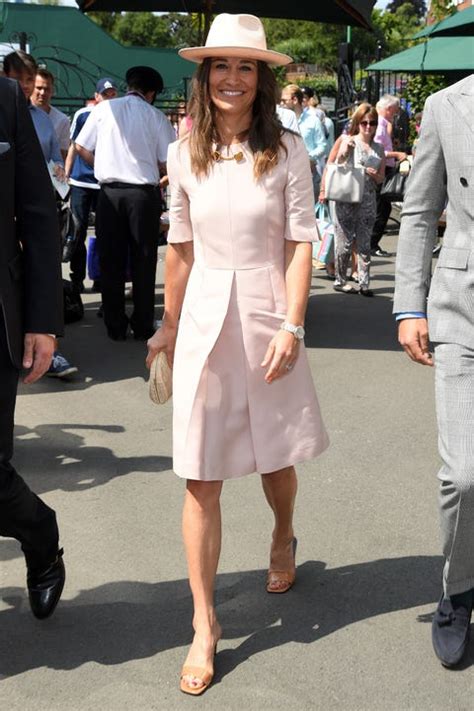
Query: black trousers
(83, 200)
(127, 222)
(384, 208)
(22, 514)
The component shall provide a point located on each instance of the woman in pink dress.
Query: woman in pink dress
(238, 271)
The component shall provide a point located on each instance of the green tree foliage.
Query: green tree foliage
(417, 90)
(440, 9)
(305, 41)
(420, 86)
(322, 86)
(419, 6)
(144, 29)
(318, 43)
(105, 20)
(393, 30)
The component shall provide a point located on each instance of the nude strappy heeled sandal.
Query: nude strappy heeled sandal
(204, 675)
(283, 578)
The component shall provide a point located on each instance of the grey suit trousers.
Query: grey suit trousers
(454, 368)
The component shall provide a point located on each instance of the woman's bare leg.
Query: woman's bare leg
(280, 490)
(202, 541)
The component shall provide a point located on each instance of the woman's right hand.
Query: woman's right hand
(164, 339)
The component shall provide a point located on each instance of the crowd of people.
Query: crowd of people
(236, 289)
(123, 153)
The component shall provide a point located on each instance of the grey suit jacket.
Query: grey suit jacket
(443, 171)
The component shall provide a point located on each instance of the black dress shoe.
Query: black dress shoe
(45, 587)
(450, 630)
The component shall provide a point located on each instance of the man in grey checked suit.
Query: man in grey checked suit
(443, 172)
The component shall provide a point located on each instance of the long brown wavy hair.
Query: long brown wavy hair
(265, 130)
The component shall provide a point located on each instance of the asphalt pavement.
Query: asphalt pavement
(353, 634)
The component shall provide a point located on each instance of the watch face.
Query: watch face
(299, 333)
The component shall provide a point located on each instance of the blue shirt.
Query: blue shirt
(46, 135)
(409, 314)
(82, 174)
(313, 136)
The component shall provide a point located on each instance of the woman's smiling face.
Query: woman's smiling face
(233, 84)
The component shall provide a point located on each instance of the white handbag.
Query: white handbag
(345, 182)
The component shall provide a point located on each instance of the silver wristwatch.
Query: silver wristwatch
(297, 331)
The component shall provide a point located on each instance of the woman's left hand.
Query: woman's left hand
(281, 355)
(372, 172)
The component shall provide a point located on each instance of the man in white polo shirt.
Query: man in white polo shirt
(127, 142)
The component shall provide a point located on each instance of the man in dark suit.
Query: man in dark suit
(30, 318)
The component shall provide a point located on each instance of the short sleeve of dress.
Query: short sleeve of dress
(180, 222)
(299, 196)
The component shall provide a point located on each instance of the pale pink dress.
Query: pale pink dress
(227, 420)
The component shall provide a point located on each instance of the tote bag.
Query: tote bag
(322, 250)
(344, 182)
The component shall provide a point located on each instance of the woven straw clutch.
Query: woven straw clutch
(161, 380)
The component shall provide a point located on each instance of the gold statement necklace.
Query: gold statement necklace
(218, 155)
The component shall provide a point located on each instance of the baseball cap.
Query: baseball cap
(104, 84)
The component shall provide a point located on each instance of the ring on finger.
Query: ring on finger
(289, 366)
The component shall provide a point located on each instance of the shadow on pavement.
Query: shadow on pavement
(64, 461)
(122, 621)
(350, 321)
(98, 358)
(333, 321)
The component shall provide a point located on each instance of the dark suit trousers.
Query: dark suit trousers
(384, 208)
(83, 200)
(22, 514)
(128, 221)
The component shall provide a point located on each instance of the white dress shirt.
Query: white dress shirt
(61, 126)
(130, 137)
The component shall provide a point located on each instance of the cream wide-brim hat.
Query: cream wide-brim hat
(236, 36)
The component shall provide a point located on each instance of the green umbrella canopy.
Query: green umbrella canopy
(460, 23)
(439, 54)
(344, 12)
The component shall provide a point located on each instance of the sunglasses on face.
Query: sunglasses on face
(368, 123)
